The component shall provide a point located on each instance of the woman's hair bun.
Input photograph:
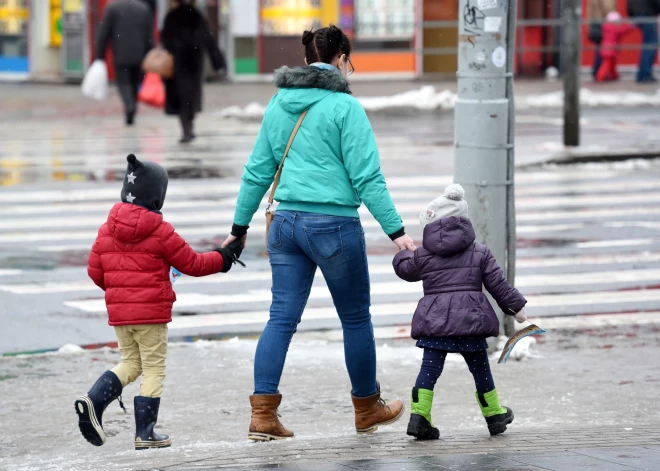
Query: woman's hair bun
(307, 37)
(335, 35)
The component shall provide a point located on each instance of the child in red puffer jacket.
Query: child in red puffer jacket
(131, 261)
(614, 31)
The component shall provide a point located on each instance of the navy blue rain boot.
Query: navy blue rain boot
(146, 416)
(91, 406)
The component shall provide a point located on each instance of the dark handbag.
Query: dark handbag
(595, 33)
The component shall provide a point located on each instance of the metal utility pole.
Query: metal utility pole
(484, 125)
(571, 48)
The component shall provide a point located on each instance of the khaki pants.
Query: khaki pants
(143, 352)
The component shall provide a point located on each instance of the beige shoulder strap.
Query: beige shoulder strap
(286, 152)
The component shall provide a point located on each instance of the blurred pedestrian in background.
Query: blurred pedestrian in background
(641, 9)
(614, 30)
(128, 25)
(186, 36)
(597, 10)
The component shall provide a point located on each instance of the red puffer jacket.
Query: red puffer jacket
(131, 260)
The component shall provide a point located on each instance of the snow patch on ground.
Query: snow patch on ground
(70, 348)
(429, 98)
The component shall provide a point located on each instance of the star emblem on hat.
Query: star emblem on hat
(130, 198)
(131, 178)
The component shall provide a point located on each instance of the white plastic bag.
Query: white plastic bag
(95, 83)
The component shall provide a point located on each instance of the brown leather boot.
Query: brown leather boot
(372, 411)
(265, 424)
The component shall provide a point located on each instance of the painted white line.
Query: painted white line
(260, 317)
(548, 323)
(226, 215)
(598, 320)
(185, 300)
(10, 272)
(592, 278)
(223, 198)
(582, 214)
(231, 187)
(623, 243)
(558, 279)
(395, 309)
(596, 259)
(253, 296)
(597, 244)
(199, 189)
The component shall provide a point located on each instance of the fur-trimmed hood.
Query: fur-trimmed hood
(301, 87)
(311, 77)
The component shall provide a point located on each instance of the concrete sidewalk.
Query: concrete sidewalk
(583, 389)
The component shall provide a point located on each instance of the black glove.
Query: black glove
(236, 247)
(230, 255)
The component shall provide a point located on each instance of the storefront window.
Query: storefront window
(14, 16)
(384, 20)
(290, 17)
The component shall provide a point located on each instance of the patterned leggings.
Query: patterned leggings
(434, 361)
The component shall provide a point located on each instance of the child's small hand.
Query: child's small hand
(520, 316)
(230, 256)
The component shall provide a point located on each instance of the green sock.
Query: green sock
(490, 404)
(421, 403)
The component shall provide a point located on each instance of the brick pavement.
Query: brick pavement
(315, 454)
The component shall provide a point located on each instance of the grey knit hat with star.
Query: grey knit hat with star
(451, 203)
(145, 184)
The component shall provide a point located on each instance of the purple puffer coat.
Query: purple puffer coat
(453, 267)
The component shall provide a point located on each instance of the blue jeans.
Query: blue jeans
(298, 243)
(647, 57)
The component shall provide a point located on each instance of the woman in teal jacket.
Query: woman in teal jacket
(332, 168)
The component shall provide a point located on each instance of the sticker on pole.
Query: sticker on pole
(492, 24)
(499, 57)
(487, 4)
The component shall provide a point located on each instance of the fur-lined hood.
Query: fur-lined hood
(311, 77)
(302, 87)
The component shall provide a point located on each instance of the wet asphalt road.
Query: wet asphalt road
(588, 236)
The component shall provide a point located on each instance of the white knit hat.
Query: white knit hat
(451, 203)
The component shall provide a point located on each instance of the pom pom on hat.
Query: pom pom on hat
(455, 192)
(450, 204)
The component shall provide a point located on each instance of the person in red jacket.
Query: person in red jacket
(131, 261)
(614, 31)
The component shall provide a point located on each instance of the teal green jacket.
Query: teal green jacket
(333, 165)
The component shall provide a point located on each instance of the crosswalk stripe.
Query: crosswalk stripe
(403, 309)
(228, 198)
(187, 300)
(226, 214)
(638, 275)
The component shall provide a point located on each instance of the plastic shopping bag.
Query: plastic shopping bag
(152, 91)
(174, 274)
(95, 83)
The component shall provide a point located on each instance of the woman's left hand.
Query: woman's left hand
(230, 238)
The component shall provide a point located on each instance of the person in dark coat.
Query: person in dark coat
(640, 9)
(454, 316)
(128, 25)
(186, 36)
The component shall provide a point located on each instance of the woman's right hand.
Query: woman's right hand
(405, 242)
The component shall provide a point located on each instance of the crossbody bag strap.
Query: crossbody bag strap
(286, 152)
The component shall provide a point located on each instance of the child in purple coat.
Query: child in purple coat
(454, 316)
